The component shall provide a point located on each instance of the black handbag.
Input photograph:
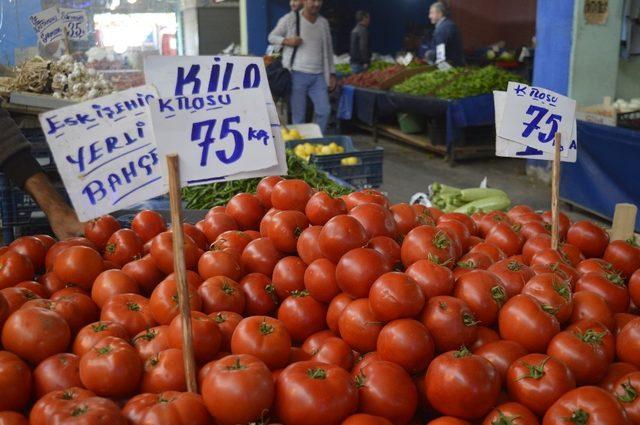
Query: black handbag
(280, 77)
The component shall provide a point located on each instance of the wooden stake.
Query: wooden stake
(555, 194)
(67, 49)
(179, 267)
(624, 222)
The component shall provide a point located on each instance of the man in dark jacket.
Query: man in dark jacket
(17, 163)
(359, 51)
(447, 33)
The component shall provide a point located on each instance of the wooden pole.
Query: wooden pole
(624, 222)
(180, 271)
(67, 49)
(555, 194)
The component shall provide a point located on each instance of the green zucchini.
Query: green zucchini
(473, 194)
(491, 203)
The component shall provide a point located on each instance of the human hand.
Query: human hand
(65, 223)
(292, 41)
(333, 82)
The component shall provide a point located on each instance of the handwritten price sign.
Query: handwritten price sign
(105, 151)
(75, 21)
(533, 116)
(217, 136)
(47, 25)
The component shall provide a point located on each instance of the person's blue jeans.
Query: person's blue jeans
(314, 86)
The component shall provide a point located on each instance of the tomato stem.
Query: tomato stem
(133, 306)
(99, 327)
(462, 352)
(220, 318)
(265, 328)
(236, 365)
(535, 371)
(227, 288)
(149, 335)
(317, 373)
(514, 266)
(579, 417)
(550, 309)
(630, 392)
(616, 279)
(441, 240)
(503, 419)
(81, 410)
(591, 337)
(562, 289)
(469, 319)
(499, 295)
(299, 294)
(360, 380)
(104, 350)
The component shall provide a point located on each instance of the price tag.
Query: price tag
(217, 136)
(441, 54)
(183, 77)
(533, 116)
(508, 148)
(105, 151)
(75, 20)
(47, 25)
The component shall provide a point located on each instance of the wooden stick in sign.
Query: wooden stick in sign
(179, 267)
(624, 222)
(555, 194)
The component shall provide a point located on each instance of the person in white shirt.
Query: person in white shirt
(312, 67)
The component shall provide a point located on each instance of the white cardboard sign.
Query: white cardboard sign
(441, 53)
(533, 115)
(217, 136)
(75, 21)
(186, 77)
(508, 148)
(47, 25)
(105, 151)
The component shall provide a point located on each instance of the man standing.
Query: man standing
(310, 58)
(359, 51)
(447, 33)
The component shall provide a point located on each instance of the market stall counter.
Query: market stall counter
(605, 172)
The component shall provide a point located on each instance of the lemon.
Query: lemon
(308, 148)
(326, 150)
(295, 134)
(340, 149)
(351, 160)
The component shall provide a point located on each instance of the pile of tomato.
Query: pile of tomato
(308, 309)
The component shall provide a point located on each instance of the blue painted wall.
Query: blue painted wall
(15, 30)
(554, 28)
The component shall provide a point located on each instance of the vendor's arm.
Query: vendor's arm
(278, 36)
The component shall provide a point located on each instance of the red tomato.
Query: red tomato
(112, 368)
(238, 389)
(459, 218)
(624, 257)
(169, 407)
(123, 246)
(571, 253)
(587, 405)
(322, 208)
(302, 315)
(144, 272)
(518, 210)
(389, 248)
(320, 280)
(206, 335)
(35, 287)
(291, 195)
(12, 418)
(260, 256)
(76, 308)
(565, 223)
(563, 271)
(264, 224)
(491, 250)
(432, 278)
(634, 288)
(471, 261)
(132, 311)
(284, 229)
(448, 420)
(265, 188)
(162, 252)
(310, 393)
(35, 334)
(164, 301)
(197, 235)
(227, 322)
(32, 248)
(359, 327)
(364, 419)
(427, 242)
(611, 287)
(513, 274)
(164, 371)
(220, 293)
(395, 295)
(56, 401)
(47, 240)
(112, 282)
(506, 238)
(308, 247)
(148, 224)
(151, 341)
(336, 307)
(626, 391)
(524, 320)
(587, 305)
(386, 390)
(16, 298)
(58, 372)
(340, 235)
(485, 335)
(534, 245)
(260, 295)
(4, 309)
(232, 242)
(336, 352)
(491, 219)
(89, 411)
(615, 371)
(60, 246)
(217, 224)
(365, 196)
(408, 343)
(52, 283)
(263, 337)
(476, 388)
(89, 336)
(288, 276)
(15, 268)
(533, 228)
(450, 322)
(594, 265)
(219, 263)
(483, 292)
(586, 348)
(552, 293)
(15, 382)
(405, 217)
(312, 344)
(501, 354)
(511, 413)
(627, 343)
(246, 210)
(537, 381)
(358, 269)
(376, 219)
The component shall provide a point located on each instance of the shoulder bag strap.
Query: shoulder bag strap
(295, 49)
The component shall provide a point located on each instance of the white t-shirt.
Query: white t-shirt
(309, 56)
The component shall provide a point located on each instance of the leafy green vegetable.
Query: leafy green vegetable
(210, 195)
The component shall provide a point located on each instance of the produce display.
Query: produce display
(290, 134)
(468, 201)
(372, 78)
(309, 309)
(215, 194)
(376, 65)
(457, 82)
(305, 150)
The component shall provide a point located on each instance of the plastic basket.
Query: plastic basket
(411, 123)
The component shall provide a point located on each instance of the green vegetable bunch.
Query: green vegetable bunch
(468, 201)
(343, 68)
(211, 195)
(427, 83)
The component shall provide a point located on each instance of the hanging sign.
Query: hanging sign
(47, 25)
(75, 21)
(105, 151)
